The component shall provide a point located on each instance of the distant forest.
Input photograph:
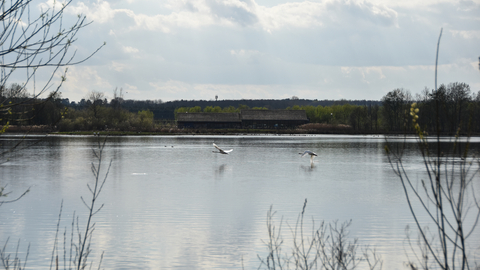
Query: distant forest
(453, 105)
(166, 110)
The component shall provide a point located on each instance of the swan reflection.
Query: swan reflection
(309, 168)
(220, 170)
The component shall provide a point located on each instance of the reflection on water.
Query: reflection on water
(309, 168)
(172, 203)
(220, 170)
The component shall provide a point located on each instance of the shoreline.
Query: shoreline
(325, 130)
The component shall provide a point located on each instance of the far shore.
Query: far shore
(303, 130)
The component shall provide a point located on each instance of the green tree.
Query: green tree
(323, 115)
(458, 97)
(243, 107)
(49, 112)
(341, 113)
(229, 109)
(195, 109)
(211, 109)
(311, 114)
(358, 118)
(96, 99)
(395, 107)
(146, 119)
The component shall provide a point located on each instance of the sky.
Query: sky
(272, 49)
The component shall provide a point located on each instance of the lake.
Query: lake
(170, 203)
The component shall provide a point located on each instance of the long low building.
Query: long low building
(256, 119)
(209, 120)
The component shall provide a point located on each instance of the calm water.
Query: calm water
(170, 203)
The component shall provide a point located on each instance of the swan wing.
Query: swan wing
(216, 146)
(308, 152)
(221, 150)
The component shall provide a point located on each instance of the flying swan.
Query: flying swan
(308, 152)
(221, 151)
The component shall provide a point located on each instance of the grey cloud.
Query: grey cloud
(123, 21)
(351, 13)
(190, 7)
(237, 14)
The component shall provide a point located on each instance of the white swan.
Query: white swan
(221, 151)
(308, 152)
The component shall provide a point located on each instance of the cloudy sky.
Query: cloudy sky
(273, 49)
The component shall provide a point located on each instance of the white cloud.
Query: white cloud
(366, 71)
(410, 4)
(128, 49)
(309, 14)
(248, 57)
(171, 87)
(304, 14)
(130, 89)
(245, 53)
(81, 80)
(100, 12)
(118, 67)
(466, 34)
(165, 23)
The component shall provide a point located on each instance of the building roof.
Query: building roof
(208, 117)
(299, 115)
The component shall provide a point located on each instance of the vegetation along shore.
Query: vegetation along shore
(390, 115)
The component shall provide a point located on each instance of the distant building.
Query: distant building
(254, 119)
(273, 118)
(209, 120)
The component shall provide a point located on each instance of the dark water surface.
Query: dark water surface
(170, 203)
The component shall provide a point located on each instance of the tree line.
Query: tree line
(447, 110)
(96, 114)
(459, 110)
